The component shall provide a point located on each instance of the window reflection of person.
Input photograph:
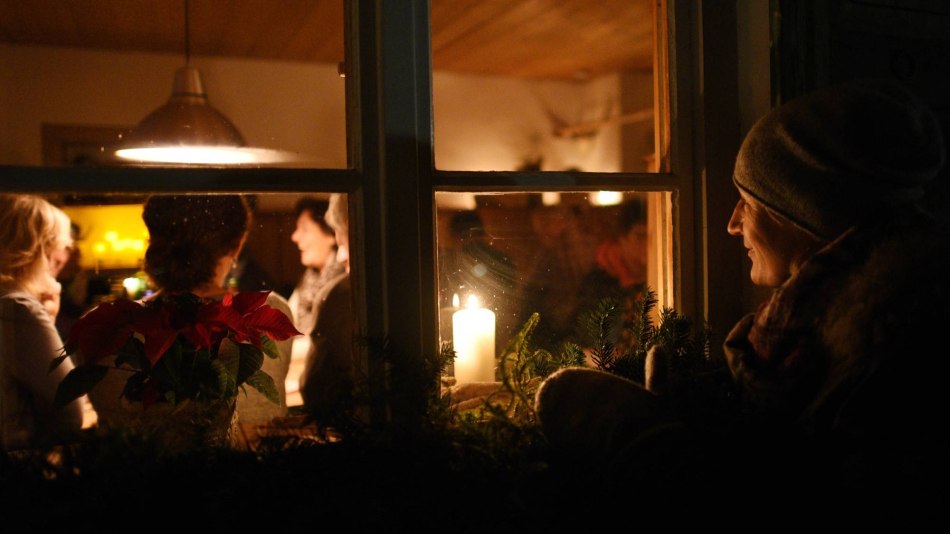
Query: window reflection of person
(34, 235)
(557, 271)
(329, 375)
(316, 240)
(620, 271)
(473, 266)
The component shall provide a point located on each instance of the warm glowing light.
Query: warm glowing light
(473, 338)
(113, 236)
(606, 198)
(456, 201)
(188, 154)
(472, 301)
(455, 300)
(132, 285)
(550, 198)
(209, 155)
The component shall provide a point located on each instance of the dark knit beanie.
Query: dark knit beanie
(831, 158)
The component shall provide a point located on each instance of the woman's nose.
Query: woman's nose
(735, 222)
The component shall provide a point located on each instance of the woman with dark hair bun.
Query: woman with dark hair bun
(193, 240)
(193, 244)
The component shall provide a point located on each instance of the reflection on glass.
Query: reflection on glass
(518, 255)
(545, 85)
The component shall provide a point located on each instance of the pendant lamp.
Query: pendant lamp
(187, 129)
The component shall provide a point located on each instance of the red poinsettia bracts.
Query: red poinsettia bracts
(104, 330)
(243, 318)
(170, 348)
(256, 318)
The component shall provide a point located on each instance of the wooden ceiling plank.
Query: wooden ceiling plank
(528, 38)
(319, 38)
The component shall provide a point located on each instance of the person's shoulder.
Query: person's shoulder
(23, 305)
(275, 300)
(339, 285)
(337, 292)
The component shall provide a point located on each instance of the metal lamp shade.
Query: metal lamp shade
(186, 129)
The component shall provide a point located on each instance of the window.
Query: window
(568, 100)
(404, 180)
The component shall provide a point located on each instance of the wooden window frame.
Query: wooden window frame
(391, 180)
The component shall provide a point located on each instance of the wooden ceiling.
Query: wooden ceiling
(547, 39)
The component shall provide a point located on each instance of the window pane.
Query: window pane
(287, 251)
(76, 78)
(557, 254)
(548, 85)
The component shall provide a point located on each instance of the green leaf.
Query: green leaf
(225, 378)
(168, 370)
(133, 354)
(78, 382)
(228, 364)
(56, 362)
(251, 361)
(133, 386)
(262, 382)
(270, 347)
(520, 342)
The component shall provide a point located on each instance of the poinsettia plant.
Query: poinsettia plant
(176, 347)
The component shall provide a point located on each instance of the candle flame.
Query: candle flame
(472, 302)
(455, 300)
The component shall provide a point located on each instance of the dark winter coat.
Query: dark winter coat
(847, 362)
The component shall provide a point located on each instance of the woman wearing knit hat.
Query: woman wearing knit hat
(839, 375)
(845, 356)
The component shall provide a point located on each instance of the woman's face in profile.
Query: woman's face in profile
(776, 247)
(315, 245)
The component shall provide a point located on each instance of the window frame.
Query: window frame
(392, 180)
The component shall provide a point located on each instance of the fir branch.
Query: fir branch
(641, 328)
(595, 327)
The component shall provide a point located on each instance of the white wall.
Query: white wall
(289, 106)
(493, 123)
(482, 123)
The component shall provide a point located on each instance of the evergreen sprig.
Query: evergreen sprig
(606, 324)
(596, 328)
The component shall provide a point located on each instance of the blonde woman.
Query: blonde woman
(31, 231)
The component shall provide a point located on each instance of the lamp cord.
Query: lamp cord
(187, 37)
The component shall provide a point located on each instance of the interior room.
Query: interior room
(501, 102)
(500, 190)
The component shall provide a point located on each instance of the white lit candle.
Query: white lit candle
(473, 334)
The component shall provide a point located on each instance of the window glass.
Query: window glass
(555, 254)
(290, 250)
(77, 80)
(547, 85)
